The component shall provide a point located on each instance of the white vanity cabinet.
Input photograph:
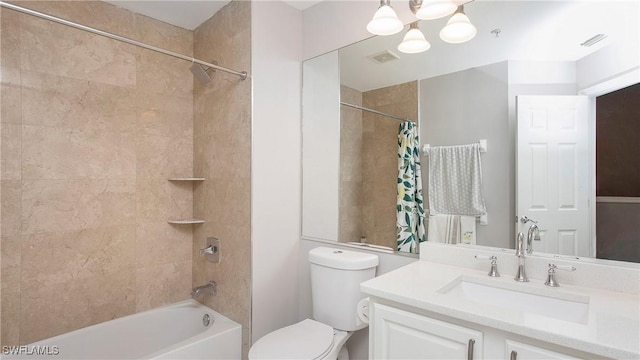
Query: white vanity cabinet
(399, 334)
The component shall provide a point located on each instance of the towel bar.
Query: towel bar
(482, 142)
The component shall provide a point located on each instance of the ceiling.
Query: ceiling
(530, 30)
(187, 14)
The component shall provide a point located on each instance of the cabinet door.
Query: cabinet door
(520, 351)
(398, 334)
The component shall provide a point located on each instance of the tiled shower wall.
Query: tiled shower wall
(222, 154)
(380, 158)
(369, 161)
(91, 130)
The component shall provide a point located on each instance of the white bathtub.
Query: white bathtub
(171, 332)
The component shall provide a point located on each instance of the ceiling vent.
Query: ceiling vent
(383, 57)
(594, 40)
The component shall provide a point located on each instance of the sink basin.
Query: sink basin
(553, 304)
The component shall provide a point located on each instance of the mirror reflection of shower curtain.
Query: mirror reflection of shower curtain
(410, 203)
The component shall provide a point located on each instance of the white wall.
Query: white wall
(321, 147)
(276, 47)
(620, 56)
(462, 108)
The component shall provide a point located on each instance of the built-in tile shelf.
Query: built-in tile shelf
(186, 221)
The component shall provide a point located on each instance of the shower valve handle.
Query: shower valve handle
(209, 250)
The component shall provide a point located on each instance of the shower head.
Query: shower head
(200, 73)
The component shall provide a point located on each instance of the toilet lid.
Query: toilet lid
(308, 339)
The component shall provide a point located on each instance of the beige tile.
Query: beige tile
(222, 129)
(162, 74)
(10, 46)
(11, 202)
(64, 205)
(94, 150)
(350, 95)
(164, 115)
(57, 153)
(10, 318)
(159, 200)
(57, 49)
(10, 97)
(56, 258)
(10, 263)
(161, 243)
(380, 159)
(11, 163)
(162, 284)
(222, 110)
(164, 157)
(64, 102)
(166, 36)
(234, 292)
(225, 154)
(350, 228)
(229, 29)
(227, 202)
(50, 310)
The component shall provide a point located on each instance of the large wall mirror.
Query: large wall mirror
(509, 85)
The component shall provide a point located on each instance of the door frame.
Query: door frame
(610, 85)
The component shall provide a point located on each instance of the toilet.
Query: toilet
(335, 288)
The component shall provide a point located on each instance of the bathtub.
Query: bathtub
(176, 331)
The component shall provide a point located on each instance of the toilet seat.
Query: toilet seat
(308, 339)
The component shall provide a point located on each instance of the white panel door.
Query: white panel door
(553, 176)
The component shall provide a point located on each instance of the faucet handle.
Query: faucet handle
(211, 250)
(525, 219)
(494, 264)
(551, 275)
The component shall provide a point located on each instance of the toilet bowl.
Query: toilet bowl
(335, 288)
(308, 339)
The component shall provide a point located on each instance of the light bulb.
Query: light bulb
(435, 9)
(414, 41)
(458, 29)
(385, 21)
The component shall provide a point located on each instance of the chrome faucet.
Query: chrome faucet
(532, 234)
(551, 274)
(210, 288)
(494, 264)
(521, 254)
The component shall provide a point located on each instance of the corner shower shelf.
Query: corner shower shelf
(186, 179)
(186, 221)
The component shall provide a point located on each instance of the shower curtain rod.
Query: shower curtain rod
(376, 112)
(242, 75)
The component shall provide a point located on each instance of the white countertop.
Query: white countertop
(611, 330)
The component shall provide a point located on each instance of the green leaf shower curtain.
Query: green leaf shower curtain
(409, 205)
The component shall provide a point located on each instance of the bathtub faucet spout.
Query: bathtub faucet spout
(208, 288)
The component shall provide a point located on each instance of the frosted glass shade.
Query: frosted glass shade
(385, 22)
(435, 9)
(414, 42)
(458, 29)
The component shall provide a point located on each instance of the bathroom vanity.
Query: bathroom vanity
(444, 309)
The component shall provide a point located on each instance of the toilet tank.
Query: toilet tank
(335, 285)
